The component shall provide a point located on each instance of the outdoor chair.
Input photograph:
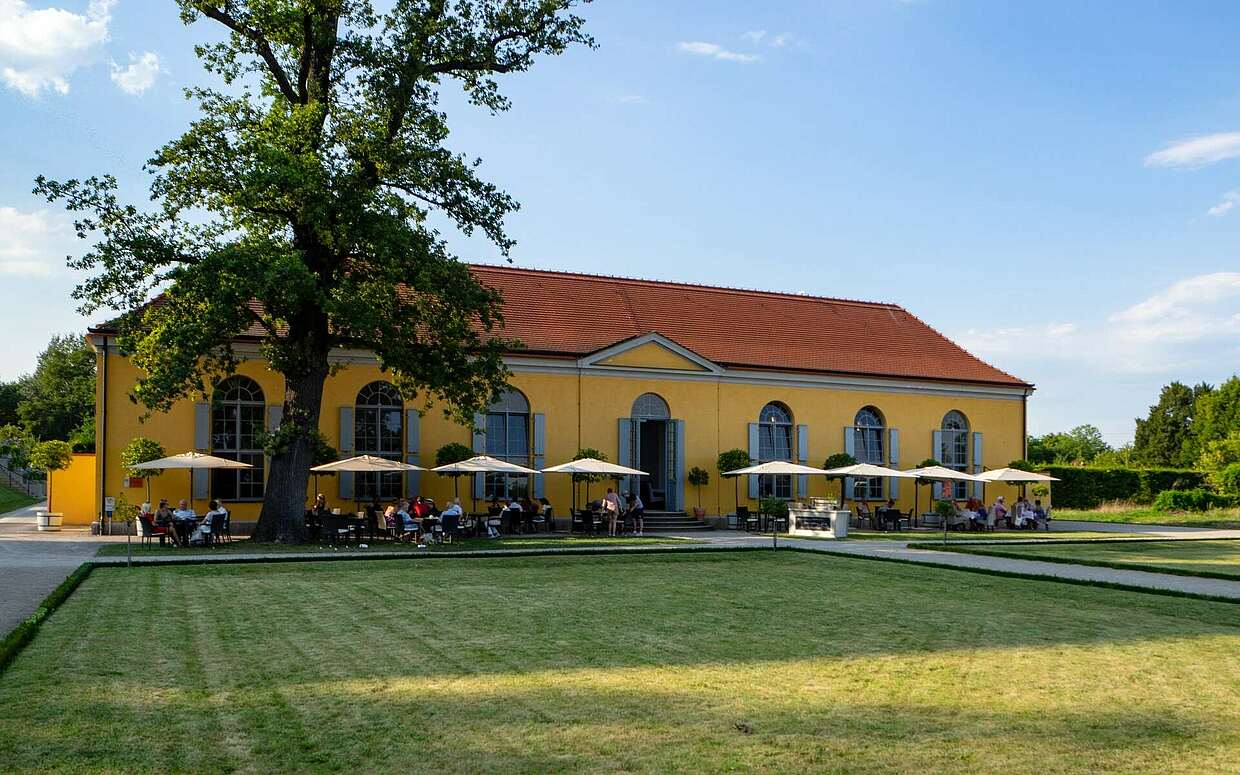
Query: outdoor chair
(539, 522)
(449, 528)
(223, 531)
(147, 530)
(331, 528)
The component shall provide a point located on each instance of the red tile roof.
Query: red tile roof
(562, 313)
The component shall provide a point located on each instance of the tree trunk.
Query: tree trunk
(282, 519)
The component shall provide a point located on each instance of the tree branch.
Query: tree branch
(260, 44)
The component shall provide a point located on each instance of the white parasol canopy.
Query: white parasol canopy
(590, 465)
(190, 460)
(868, 469)
(365, 463)
(1014, 475)
(483, 464)
(776, 467)
(942, 472)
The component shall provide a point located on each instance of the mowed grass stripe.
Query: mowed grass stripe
(777, 662)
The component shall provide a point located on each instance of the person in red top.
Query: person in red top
(421, 509)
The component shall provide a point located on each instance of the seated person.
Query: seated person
(453, 509)
(163, 519)
(421, 509)
(408, 521)
(544, 507)
(1039, 513)
(216, 516)
(184, 512)
(1000, 510)
(863, 512)
(512, 515)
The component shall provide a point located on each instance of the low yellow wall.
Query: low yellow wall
(72, 491)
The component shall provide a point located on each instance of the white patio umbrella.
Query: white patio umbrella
(360, 464)
(868, 470)
(592, 466)
(191, 461)
(1012, 476)
(482, 464)
(776, 467)
(937, 474)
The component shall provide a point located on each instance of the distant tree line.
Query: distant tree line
(1190, 427)
(56, 402)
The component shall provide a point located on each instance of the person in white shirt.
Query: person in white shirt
(637, 510)
(183, 511)
(453, 510)
(611, 505)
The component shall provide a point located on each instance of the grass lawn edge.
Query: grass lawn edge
(1144, 568)
(17, 638)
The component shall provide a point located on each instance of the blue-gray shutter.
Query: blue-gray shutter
(978, 487)
(202, 427)
(803, 459)
(936, 446)
(413, 479)
(480, 448)
(540, 453)
(413, 431)
(678, 486)
(850, 448)
(753, 458)
(200, 478)
(344, 479)
(936, 490)
(624, 447)
(893, 445)
(275, 415)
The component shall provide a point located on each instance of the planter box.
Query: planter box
(48, 521)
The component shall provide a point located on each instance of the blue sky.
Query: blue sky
(1053, 185)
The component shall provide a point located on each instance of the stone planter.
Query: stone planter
(48, 521)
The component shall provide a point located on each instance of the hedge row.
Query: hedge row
(1088, 488)
(24, 632)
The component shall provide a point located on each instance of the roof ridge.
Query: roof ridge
(683, 284)
(961, 348)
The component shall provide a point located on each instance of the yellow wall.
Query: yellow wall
(582, 409)
(71, 491)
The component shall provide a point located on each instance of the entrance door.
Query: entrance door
(652, 458)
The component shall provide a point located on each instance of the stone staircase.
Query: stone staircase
(673, 521)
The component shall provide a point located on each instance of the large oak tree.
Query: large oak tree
(296, 207)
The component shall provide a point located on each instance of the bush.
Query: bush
(775, 507)
(1088, 488)
(1229, 480)
(1198, 499)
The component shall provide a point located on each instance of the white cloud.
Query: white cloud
(33, 243)
(139, 75)
(40, 49)
(1197, 151)
(764, 37)
(1203, 307)
(1225, 204)
(715, 51)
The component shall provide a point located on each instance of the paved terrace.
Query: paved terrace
(33, 563)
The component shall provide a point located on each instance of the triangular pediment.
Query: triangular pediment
(650, 351)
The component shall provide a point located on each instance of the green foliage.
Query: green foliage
(452, 452)
(140, 450)
(1228, 480)
(1218, 454)
(15, 445)
(698, 477)
(124, 511)
(731, 460)
(927, 463)
(60, 396)
(48, 456)
(10, 397)
(284, 437)
(1121, 457)
(1163, 436)
(841, 459)
(1020, 465)
(1196, 499)
(83, 437)
(1078, 446)
(775, 507)
(1087, 488)
(946, 510)
(1217, 416)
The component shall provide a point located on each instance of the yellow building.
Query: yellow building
(660, 376)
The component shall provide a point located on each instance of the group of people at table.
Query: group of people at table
(419, 520)
(182, 524)
(974, 514)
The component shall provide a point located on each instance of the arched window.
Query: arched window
(508, 438)
(237, 410)
(378, 423)
(650, 406)
(954, 450)
(774, 443)
(869, 437)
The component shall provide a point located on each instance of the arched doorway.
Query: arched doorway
(653, 447)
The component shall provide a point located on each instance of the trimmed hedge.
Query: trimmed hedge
(1195, 499)
(1088, 488)
(23, 633)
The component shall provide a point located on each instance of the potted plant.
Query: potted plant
(582, 454)
(947, 512)
(46, 457)
(699, 478)
(126, 513)
(730, 461)
(453, 452)
(140, 450)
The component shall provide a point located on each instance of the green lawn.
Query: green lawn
(244, 546)
(658, 663)
(11, 500)
(997, 535)
(1225, 518)
(1203, 558)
